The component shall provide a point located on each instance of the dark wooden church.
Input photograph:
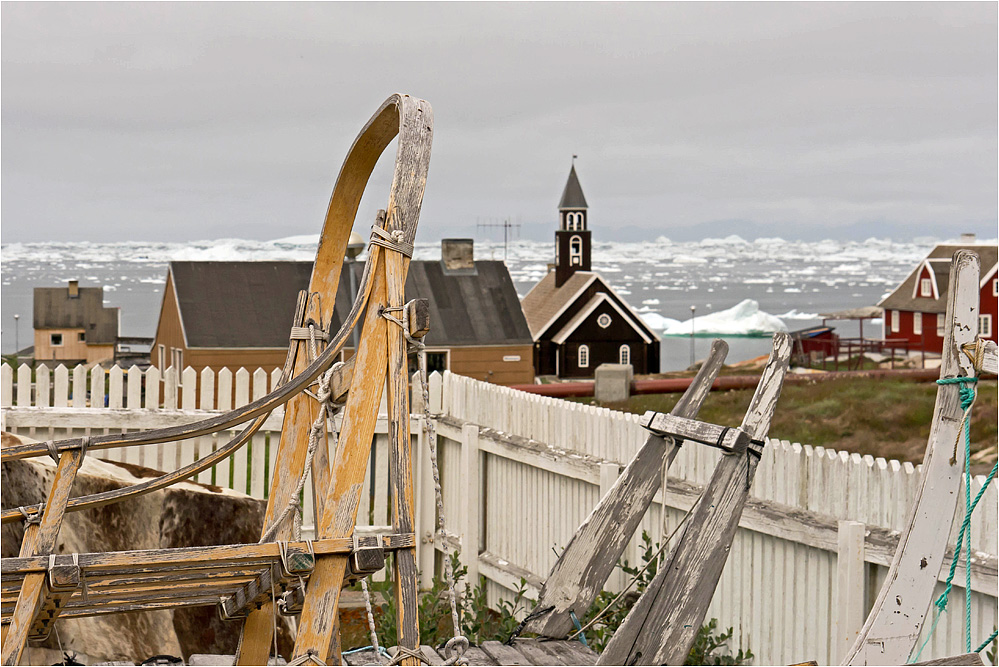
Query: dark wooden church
(576, 319)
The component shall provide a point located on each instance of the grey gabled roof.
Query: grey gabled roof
(572, 195)
(250, 304)
(54, 309)
(939, 261)
(238, 304)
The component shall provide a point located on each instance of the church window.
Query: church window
(917, 324)
(574, 221)
(624, 355)
(604, 320)
(575, 251)
(941, 323)
(925, 287)
(583, 360)
(985, 326)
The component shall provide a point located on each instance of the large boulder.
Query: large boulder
(186, 514)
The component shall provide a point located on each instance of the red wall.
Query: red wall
(989, 305)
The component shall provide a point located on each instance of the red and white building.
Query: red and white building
(916, 310)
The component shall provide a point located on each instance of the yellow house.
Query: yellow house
(72, 325)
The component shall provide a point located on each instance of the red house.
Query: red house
(916, 310)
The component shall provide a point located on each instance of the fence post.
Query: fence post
(470, 501)
(43, 386)
(6, 386)
(96, 387)
(79, 386)
(850, 609)
(23, 386)
(609, 472)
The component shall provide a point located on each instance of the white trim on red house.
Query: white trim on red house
(917, 293)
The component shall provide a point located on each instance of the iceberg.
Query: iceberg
(657, 322)
(742, 319)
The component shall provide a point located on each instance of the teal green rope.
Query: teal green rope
(987, 641)
(967, 395)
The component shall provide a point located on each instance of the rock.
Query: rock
(183, 515)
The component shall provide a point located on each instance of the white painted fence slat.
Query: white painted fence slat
(43, 386)
(206, 401)
(6, 386)
(98, 397)
(61, 396)
(116, 387)
(224, 400)
(153, 382)
(79, 386)
(24, 385)
(133, 398)
(188, 396)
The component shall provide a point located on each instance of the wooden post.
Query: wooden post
(609, 473)
(850, 577)
(470, 503)
(401, 460)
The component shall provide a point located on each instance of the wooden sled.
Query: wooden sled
(582, 569)
(39, 587)
(892, 628)
(662, 626)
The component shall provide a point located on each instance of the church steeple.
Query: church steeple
(572, 239)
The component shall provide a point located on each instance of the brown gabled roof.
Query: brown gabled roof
(54, 309)
(902, 297)
(545, 301)
(250, 304)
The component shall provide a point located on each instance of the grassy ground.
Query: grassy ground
(888, 418)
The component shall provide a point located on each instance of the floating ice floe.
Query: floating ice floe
(795, 314)
(657, 322)
(743, 319)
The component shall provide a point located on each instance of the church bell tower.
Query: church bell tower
(572, 239)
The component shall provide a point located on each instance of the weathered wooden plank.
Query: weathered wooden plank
(893, 626)
(536, 653)
(723, 437)
(583, 567)
(503, 654)
(121, 562)
(476, 656)
(990, 357)
(571, 651)
(963, 659)
(40, 542)
(401, 461)
(663, 624)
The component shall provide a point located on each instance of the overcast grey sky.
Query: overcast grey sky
(187, 121)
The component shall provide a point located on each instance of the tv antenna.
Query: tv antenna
(506, 225)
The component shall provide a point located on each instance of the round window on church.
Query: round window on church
(604, 320)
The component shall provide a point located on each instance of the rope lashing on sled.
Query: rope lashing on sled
(391, 240)
(967, 394)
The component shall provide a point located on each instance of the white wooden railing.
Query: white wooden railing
(520, 472)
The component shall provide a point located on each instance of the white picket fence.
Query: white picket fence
(520, 472)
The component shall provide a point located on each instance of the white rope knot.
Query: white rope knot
(391, 240)
(32, 517)
(454, 650)
(310, 657)
(403, 652)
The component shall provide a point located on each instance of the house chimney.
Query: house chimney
(74, 289)
(967, 238)
(457, 254)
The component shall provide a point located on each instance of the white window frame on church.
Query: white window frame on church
(925, 287)
(583, 356)
(917, 324)
(574, 221)
(624, 354)
(985, 326)
(575, 251)
(941, 322)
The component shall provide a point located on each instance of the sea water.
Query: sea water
(661, 279)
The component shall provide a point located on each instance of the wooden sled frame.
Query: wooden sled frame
(381, 354)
